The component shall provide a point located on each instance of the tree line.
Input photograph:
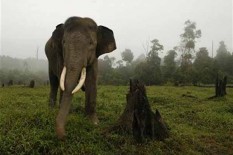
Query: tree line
(152, 70)
(14, 71)
(182, 65)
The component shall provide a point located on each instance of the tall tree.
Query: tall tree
(204, 68)
(187, 48)
(188, 39)
(148, 70)
(106, 70)
(127, 56)
(153, 62)
(169, 66)
(190, 35)
(143, 73)
(223, 58)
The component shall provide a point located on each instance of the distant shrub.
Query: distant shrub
(10, 83)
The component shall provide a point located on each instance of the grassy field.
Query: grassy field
(198, 125)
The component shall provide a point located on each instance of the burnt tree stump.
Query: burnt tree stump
(224, 85)
(220, 87)
(138, 118)
(32, 84)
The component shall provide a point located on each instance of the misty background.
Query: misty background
(26, 26)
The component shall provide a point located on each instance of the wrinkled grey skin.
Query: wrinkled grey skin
(76, 44)
(54, 53)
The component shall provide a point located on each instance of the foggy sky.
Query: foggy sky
(27, 24)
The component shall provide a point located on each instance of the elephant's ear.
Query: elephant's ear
(58, 32)
(105, 41)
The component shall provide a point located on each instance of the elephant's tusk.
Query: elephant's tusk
(62, 79)
(81, 81)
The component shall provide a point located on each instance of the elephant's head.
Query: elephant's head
(83, 42)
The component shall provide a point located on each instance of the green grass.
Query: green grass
(198, 125)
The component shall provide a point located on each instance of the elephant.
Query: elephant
(72, 52)
(54, 53)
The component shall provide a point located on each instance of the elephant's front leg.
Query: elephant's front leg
(90, 91)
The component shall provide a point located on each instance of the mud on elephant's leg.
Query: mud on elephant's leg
(90, 92)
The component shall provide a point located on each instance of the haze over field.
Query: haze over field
(26, 25)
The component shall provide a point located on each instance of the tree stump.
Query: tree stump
(220, 87)
(32, 84)
(138, 118)
(224, 85)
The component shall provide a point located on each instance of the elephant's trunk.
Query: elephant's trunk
(70, 84)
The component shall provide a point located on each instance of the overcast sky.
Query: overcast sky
(27, 24)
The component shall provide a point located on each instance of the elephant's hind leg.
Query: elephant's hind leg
(90, 93)
(54, 83)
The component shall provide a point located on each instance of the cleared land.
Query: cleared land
(198, 125)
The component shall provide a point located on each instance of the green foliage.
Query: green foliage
(25, 65)
(127, 55)
(153, 58)
(140, 68)
(156, 46)
(190, 34)
(198, 125)
(205, 70)
(170, 66)
(144, 73)
(224, 58)
(21, 71)
(187, 48)
(150, 68)
(152, 65)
